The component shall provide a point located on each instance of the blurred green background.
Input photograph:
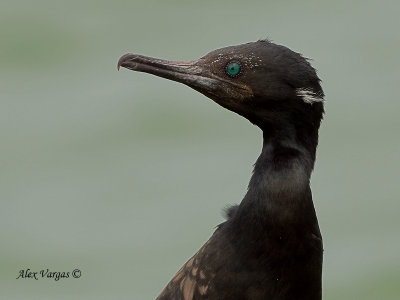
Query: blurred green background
(124, 175)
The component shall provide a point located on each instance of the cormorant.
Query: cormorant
(270, 246)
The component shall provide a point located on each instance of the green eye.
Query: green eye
(233, 69)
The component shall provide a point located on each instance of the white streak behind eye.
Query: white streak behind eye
(308, 95)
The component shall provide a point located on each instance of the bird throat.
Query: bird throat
(279, 191)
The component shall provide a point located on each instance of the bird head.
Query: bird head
(268, 84)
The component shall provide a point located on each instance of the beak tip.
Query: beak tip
(123, 59)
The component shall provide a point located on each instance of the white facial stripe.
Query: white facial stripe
(308, 95)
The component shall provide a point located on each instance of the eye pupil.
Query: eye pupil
(233, 69)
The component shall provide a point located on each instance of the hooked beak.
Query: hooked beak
(195, 74)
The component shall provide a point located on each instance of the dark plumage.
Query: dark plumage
(270, 246)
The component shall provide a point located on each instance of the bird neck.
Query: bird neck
(275, 226)
(279, 190)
